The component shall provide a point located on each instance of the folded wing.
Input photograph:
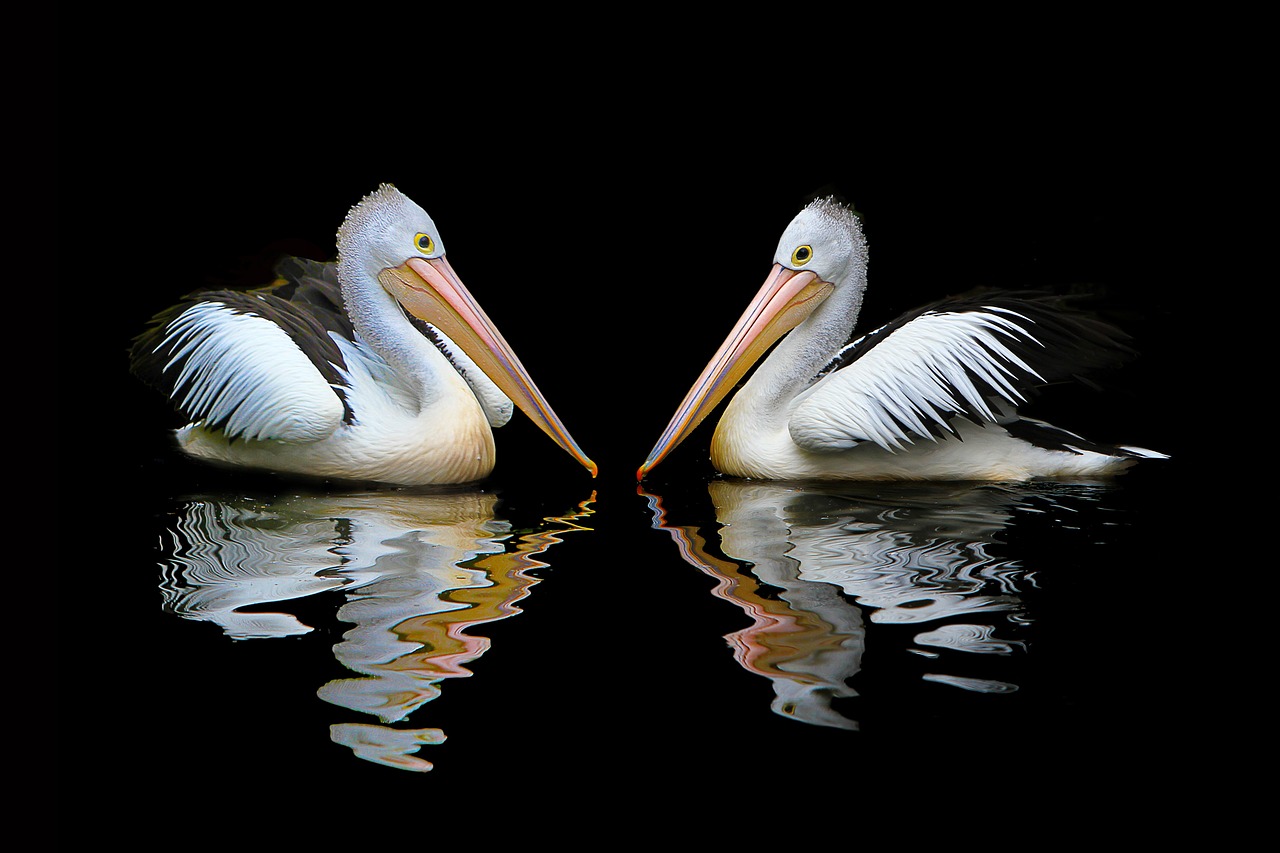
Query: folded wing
(970, 357)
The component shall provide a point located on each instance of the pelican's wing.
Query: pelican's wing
(257, 364)
(967, 357)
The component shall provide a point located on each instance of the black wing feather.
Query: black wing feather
(1073, 341)
(305, 302)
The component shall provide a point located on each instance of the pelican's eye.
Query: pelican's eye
(424, 243)
(802, 255)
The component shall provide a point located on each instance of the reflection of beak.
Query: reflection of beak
(431, 291)
(786, 298)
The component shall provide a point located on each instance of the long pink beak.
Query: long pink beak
(787, 297)
(432, 291)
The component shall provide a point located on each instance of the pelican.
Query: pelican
(930, 396)
(329, 373)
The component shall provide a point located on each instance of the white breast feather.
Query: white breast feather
(498, 408)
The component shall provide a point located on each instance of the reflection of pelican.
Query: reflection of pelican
(930, 396)
(323, 373)
(417, 572)
(808, 563)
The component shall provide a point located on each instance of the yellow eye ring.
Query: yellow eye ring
(425, 244)
(802, 255)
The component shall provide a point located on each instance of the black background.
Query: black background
(613, 222)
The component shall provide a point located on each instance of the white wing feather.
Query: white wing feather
(245, 371)
(907, 386)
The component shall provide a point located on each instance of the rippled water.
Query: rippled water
(810, 566)
(413, 579)
(391, 667)
(489, 634)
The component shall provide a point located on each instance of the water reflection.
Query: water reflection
(417, 573)
(812, 564)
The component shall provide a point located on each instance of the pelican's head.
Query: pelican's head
(821, 249)
(825, 238)
(388, 238)
(383, 230)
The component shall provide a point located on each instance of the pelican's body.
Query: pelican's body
(324, 374)
(931, 396)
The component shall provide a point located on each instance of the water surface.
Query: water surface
(577, 644)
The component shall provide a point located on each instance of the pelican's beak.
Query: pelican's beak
(787, 297)
(431, 291)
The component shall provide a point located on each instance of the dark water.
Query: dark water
(382, 655)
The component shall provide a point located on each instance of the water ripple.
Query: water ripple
(968, 638)
(813, 565)
(418, 573)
